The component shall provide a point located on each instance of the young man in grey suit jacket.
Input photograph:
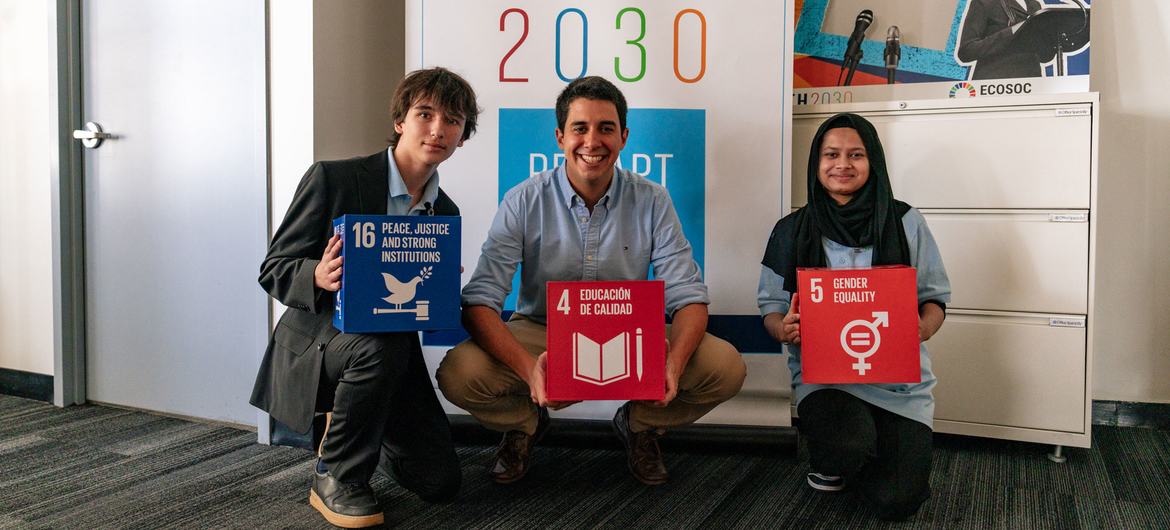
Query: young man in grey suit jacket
(383, 412)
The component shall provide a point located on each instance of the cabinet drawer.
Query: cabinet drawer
(1010, 370)
(1033, 262)
(1030, 159)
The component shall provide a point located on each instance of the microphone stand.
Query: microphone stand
(853, 52)
(852, 62)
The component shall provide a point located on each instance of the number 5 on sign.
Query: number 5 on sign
(563, 303)
(816, 292)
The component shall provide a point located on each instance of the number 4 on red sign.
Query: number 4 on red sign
(563, 303)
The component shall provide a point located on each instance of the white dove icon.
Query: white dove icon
(403, 292)
(400, 292)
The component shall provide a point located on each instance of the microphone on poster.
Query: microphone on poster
(893, 52)
(853, 51)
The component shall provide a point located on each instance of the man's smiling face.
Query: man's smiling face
(591, 138)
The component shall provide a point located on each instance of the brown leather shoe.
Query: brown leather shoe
(643, 456)
(515, 452)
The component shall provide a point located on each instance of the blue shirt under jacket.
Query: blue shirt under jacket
(913, 401)
(398, 197)
(544, 228)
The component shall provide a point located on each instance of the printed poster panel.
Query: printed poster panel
(706, 83)
(930, 49)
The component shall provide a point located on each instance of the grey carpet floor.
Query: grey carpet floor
(100, 467)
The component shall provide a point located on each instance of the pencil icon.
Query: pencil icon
(638, 350)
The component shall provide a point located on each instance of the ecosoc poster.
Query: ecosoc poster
(707, 84)
(864, 50)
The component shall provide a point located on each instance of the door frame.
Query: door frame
(68, 208)
(68, 205)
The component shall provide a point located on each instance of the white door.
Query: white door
(175, 205)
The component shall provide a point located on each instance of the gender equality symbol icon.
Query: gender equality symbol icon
(852, 341)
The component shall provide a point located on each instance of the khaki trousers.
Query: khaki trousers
(475, 381)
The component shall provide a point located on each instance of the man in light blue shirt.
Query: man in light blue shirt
(584, 220)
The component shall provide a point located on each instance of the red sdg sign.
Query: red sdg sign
(606, 340)
(859, 325)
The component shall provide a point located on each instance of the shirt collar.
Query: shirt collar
(569, 195)
(398, 186)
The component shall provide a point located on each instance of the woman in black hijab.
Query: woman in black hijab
(874, 437)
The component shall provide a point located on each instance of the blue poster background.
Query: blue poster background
(667, 146)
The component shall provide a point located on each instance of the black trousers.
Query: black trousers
(386, 415)
(884, 456)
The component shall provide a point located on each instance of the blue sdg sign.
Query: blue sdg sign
(666, 146)
(399, 273)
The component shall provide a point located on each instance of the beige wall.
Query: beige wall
(358, 59)
(1131, 42)
(26, 285)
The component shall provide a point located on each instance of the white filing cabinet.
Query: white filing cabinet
(1008, 187)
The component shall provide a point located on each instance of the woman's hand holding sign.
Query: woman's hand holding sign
(785, 329)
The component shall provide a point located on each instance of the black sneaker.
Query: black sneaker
(344, 505)
(821, 482)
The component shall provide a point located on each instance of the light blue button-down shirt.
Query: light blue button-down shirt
(544, 225)
(914, 401)
(398, 197)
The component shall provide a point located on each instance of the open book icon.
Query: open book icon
(602, 364)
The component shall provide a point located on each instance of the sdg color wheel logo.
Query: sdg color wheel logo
(962, 87)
